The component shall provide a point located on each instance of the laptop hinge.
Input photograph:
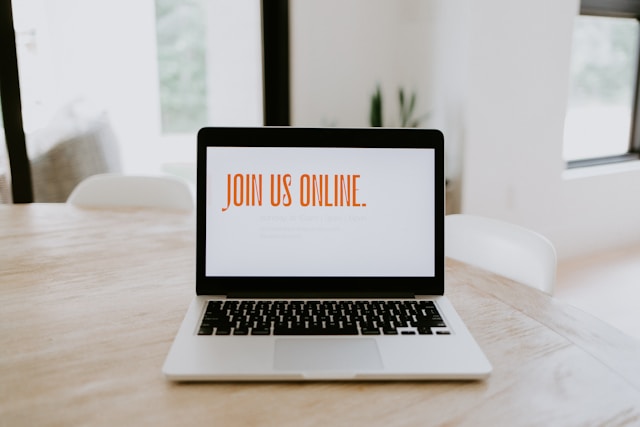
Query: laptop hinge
(323, 295)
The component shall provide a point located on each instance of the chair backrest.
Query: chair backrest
(507, 249)
(119, 190)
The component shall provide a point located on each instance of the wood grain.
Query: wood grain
(91, 300)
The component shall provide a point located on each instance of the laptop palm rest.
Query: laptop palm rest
(327, 354)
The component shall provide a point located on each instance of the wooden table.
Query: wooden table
(91, 300)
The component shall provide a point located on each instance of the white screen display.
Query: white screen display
(282, 211)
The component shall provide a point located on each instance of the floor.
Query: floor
(606, 286)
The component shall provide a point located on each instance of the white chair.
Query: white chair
(119, 190)
(503, 248)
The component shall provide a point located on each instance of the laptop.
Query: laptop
(320, 256)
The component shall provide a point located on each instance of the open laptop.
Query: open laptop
(320, 256)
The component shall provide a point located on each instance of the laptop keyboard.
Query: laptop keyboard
(314, 317)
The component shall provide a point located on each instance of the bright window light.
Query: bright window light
(602, 87)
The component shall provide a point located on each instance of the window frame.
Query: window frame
(275, 34)
(19, 172)
(616, 9)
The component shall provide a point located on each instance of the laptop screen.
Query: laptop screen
(361, 205)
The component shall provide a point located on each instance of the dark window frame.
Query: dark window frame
(275, 37)
(616, 9)
(19, 165)
(275, 62)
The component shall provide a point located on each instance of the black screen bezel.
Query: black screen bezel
(283, 136)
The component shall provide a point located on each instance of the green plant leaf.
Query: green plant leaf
(375, 113)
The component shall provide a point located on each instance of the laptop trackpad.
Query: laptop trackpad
(328, 354)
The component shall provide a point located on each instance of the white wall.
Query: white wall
(513, 168)
(518, 71)
(495, 75)
(341, 50)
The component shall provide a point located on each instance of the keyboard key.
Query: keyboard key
(205, 330)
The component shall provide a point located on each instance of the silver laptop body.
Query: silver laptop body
(320, 256)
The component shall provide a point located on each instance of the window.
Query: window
(600, 124)
(181, 41)
(158, 69)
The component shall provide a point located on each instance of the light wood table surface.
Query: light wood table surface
(90, 301)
